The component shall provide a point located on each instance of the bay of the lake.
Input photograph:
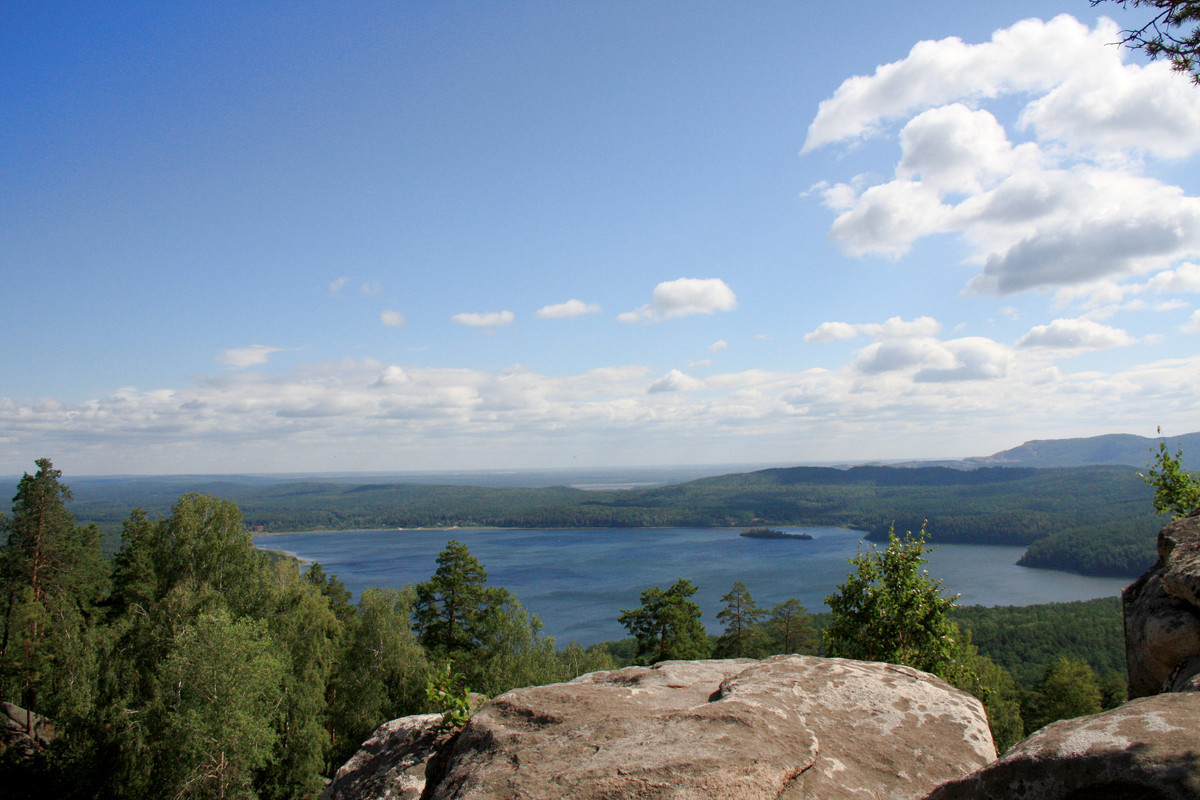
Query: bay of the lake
(577, 581)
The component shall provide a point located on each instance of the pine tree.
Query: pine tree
(743, 637)
(667, 625)
(52, 577)
(457, 614)
(790, 629)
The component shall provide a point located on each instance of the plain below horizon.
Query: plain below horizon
(1118, 448)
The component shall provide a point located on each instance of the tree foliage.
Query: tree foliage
(667, 624)
(790, 629)
(197, 666)
(743, 636)
(1067, 689)
(889, 609)
(1176, 490)
(1173, 33)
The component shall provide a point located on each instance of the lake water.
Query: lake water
(578, 581)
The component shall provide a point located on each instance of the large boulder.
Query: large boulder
(1147, 749)
(787, 727)
(23, 734)
(1162, 610)
(391, 764)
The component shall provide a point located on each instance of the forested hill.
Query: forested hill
(1113, 448)
(1060, 509)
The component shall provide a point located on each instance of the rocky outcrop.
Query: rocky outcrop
(23, 734)
(391, 764)
(1162, 610)
(787, 727)
(1146, 749)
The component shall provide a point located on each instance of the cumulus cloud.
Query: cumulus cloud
(893, 328)
(718, 346)
(336, 286)
(930, 360)
(832, 331)
(487, 319)
(1075, 334)
(242, 357)
(917, 393)
(675, 381)
(1030, 56)
(1068, 211)
(684, 297)
(571, 308)
(392, 319)
(1193, 323)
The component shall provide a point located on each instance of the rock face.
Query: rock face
(391, 764)
(1143, 750)
(787, 727)
(23, 734)
(1162, 610)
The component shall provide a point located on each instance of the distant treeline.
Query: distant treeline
(1094, 520)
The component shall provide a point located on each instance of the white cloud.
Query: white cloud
(336, 286)
(832, 331)
(1117, 108)
(684, 297)
(571, 308)
(487, 319)
(675, 381)
(886, 219)
(955, 149)
(718, 346)
(975, 358)
(930, 360)
(371, 288)
(922, 397)
(1032, 55)
(1192, 325)
(1185, 278)
(241, 357)
(392, 319)
(1076, 334)
(893, 328)
(1068, 211)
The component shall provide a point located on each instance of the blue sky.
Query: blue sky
(375, 236)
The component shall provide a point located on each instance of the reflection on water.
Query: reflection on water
(578, 581)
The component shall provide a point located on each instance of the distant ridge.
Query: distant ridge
(1112, 448)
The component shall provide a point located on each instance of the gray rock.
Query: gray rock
(1186, 677)
(1179, 552)
(391, 764)
(788, 727)
(1162, 619)
(1147, 749)
(23, 734)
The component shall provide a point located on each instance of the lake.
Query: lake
(578, 581)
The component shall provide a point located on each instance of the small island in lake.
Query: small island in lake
(767, 533)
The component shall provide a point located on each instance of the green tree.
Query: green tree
(667, 625)
(743, 636)
(222, 688)
(994, 687)
(1176, 490)
(1172, 33)
(52, 579)
(456, 613)
(889, 609)
(790, 629)
(1067, 689)
(381, 673)
(308, 631)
